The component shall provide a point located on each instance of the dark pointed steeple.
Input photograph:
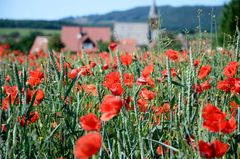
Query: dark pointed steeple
(153, 13)
(154, 22)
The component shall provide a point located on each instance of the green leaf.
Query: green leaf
(52, 133)
(71, 86)
(178, 84)
(172, 102)
(165, 145)
(236, 100)
(30, 106)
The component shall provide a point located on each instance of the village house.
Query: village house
(128, 35)
(40, 43)
(77, 38)
(142, 33)
(134, 31)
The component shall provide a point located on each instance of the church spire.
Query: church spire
(153, 13)
(154, 22)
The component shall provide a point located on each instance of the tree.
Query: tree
(102, 46)
(55, 42)
(25, 43)
(230, 18)
(14, 34)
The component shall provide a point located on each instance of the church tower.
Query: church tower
(154, 22)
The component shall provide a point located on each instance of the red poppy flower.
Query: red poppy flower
(22, 121)
(20, 60)
(73, 73)
(215, 125)
(127, 103)
(88, 145)
(204, 71)
(150, 82)
(165, 108)
(234, 108)
(7, 78)
(85, 70)
(110, 107)
(105, 66)
(34, 117)
(196, 63)
(128, 79)
(36, 74)
(230, 126)
(143, 105)
(224, 85)
(220, 148)
(214, 118)
(214, 149)
(172, 54)
(205, 85)
(5, 103)
(165, 73)
(147, 70)
(142, 80)
(113, 83)
(229, 84)
(39, 95)
(35, 78)
(146, 81)
(113, 46)
(90, 122)
(191, 141)
(205, 149)
(126, 59)
(146, 55)
(211, 112)
(184, 54)
(160, 150)
(116, 89)
(146, 94)
(92, 64)
(12, 93)
(11, 90)
(231, 69)
(4, 128)
(197, 88)
(90, 88)
(233, 63)
(111, 78)
(236, 87)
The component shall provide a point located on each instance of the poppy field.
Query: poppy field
(148, 104)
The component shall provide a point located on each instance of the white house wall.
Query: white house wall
(136, 31)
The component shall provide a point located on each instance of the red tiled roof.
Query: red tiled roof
(71, 36)
(98, 33)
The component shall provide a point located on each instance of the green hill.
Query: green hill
(173, 18)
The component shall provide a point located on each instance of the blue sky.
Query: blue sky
(56, 9)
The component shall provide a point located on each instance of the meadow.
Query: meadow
(26, 31)
(161, 103)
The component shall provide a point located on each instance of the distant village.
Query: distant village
(128, 35)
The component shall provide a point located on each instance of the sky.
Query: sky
(57, 9)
